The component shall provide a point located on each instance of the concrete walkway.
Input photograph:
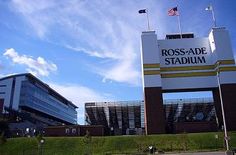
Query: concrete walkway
(200, 153)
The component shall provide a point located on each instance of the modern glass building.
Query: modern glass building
(33, 102)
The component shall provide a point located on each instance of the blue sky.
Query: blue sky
(89, 50)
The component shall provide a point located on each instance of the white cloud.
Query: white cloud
(32, 13)
(101, 29)
(37, 66)
(123, 70)
(103, 54)
(79, 95)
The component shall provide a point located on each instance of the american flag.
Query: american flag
(173, 12)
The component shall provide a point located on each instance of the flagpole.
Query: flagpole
(180, 30)
(213, 15)
(226, 138)
(148, 20)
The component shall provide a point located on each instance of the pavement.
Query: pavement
(200, 153)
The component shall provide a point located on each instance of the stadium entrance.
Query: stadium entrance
(187, 64)
(186, 110)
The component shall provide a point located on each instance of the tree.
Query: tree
(4, 130)
(3, 138)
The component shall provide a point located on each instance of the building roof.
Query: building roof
(177, 35)
(42, 83)
(114, 103)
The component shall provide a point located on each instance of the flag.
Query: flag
(209, 8)
(173, 12)
(142, 11)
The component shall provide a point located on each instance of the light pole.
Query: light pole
(41, 142)
(226, 138)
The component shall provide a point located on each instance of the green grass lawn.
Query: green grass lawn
(117, 144)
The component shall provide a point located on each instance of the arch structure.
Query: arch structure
(186, 63)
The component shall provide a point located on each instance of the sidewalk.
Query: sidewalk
(200, 153)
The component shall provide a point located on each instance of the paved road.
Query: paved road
(201, 153)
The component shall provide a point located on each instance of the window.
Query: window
(73, 130)
(67, 130)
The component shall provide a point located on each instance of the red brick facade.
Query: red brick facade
(74, 130)
(194, 127)
(154, 111)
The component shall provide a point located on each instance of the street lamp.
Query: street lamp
(226, 138)
(41, 142)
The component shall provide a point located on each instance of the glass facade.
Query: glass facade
(35, 96)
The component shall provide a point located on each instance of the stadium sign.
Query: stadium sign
(187, 56)
(184, 52)
(187, 64)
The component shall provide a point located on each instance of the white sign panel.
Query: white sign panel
(185, 52)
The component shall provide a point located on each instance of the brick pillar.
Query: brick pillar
(154, 111)
(229, 101)
(217, 105)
